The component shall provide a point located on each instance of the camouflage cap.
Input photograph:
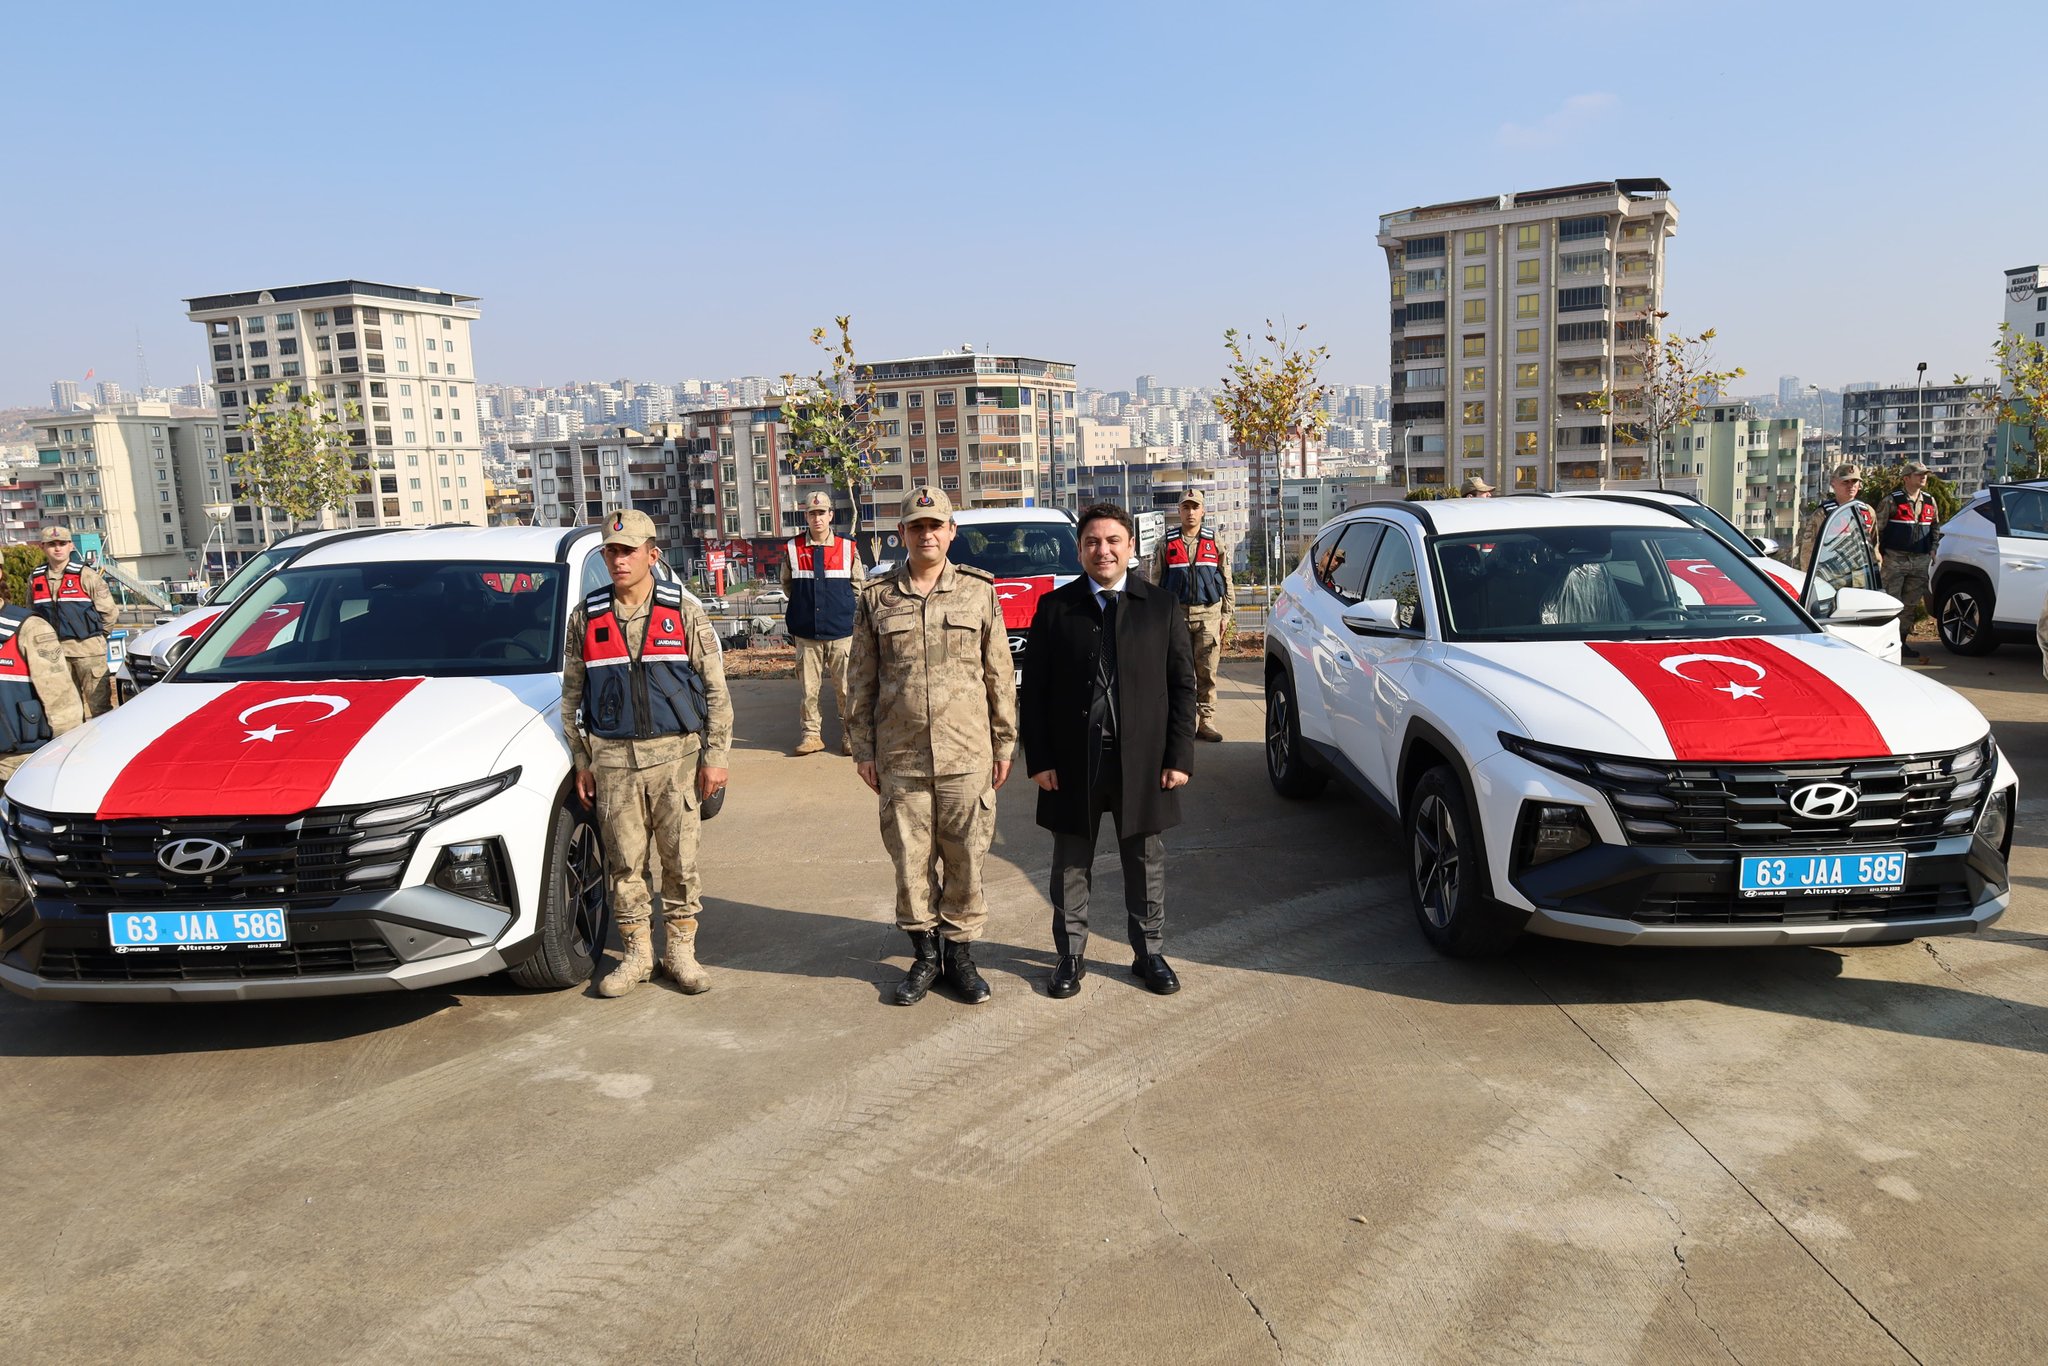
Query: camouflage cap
(628, 526)
(1848, 472)
(1192, 496)
(1476, 484)
(926, 504)
(56, 533)
(1914, 467)
(819, 501)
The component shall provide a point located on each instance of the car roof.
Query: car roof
(972, 516)
(1464, 516)
(1629, 495)
(512, 544)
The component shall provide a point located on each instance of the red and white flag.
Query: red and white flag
(1020, 598)
(259, 749)
(1745, 700)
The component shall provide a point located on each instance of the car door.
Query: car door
(1841, 557)
(1376, 705)
(2022, 555)
(1339, 583)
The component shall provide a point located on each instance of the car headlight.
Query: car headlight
(1994, 827)
(1547, 831)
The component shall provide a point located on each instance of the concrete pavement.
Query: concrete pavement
(1331, 1146)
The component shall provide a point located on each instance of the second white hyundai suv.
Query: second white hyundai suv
(1988, 581)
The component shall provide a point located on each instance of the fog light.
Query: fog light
(470, 870)
(1548, 833)
(1995, 825)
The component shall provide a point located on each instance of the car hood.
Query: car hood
(1746, 700)
(263, 748)
(153, 642)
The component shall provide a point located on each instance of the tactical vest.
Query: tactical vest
(70, 608)
(1863, 514)
(658, 694)
(820, 589)
(1910, 530)
(23, 725)
(1195, 579)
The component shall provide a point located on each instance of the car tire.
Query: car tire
(1287, 763)
(1447, 876)
(1962, 613)
(575, 904)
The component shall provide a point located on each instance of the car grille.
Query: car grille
(1724, 908)
(142, 671)
(339, 957)
(288, 861)
(1749, 806)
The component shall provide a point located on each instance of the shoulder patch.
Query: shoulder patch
(975, 571)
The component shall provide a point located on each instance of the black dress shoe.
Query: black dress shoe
(1155, 972)
(1066, 978)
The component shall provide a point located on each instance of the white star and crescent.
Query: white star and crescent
(1675, 666)
(335, 707)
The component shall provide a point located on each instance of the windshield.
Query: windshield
(388, 620)
(1713, 523)
(1604, 583)
(250, 570)
(1018, 550)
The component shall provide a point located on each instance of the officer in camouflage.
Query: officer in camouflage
(1193, 566)
(821, 574)
(649, 724)
(1905, 532)
(933, 721)
(72, 596)
(38, 698)
(1846, 487)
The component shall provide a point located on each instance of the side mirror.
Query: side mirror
(1375, 617)
(1764, 545)
(177, 650)
(1864, 607)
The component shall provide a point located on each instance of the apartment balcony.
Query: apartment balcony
(1581, 384)
(1598, 241)
(655, 467)
(1574, 350)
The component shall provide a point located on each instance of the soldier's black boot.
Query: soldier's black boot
(924, 968)
(961, 975)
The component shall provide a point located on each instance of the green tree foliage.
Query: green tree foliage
(17, 562)
(830, 415)
(1270, 401)
(1661, 382)
(2021, 401)
(298, 456)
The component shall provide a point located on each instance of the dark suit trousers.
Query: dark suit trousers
(1073, 872)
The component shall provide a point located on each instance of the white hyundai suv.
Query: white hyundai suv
(354, 780)
(1988, 580)
(1575, 746)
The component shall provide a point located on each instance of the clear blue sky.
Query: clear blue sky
(661, 190)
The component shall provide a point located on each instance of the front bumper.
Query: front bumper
(412, 937)
(1632, 894)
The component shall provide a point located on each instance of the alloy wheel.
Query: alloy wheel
(585, 886)
(1960, 617)
(1278, 749)
(1436, 857)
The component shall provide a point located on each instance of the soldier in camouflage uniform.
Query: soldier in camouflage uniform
(35, 677)
(933, 722)
(72, 597)
(647, 773)
(1194, 566)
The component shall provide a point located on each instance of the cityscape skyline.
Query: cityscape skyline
(1173, 213)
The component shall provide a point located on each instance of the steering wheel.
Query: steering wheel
(514, 642)
(1671, 612)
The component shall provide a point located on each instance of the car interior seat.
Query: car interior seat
(1519, 580)
(1464, 571)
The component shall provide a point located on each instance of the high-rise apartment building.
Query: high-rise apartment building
(1747, 468)
(64, 395)
(401, 354)
(1943, 426)
(1509, 314)
(139, 476)
(992, 431)
(2026, 313)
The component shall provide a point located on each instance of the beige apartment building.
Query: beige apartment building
(135, 479)
(402, 354)
(992, 431)
(1509, 313)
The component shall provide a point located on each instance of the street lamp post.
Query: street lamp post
(1920, 416)
(1407, 484)
(217, 514)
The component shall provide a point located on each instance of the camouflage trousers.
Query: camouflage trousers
(89, 672)
(937, 832)
(651, 811)
(1205, 634)
(816, 662)
(1905, 578)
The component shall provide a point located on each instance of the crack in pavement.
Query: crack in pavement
(1166, 1215)
(1685, 1289)
(1952, 971)
(1726, 1170)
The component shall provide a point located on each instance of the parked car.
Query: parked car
(1030, 551)
(1577, 746)
(1988, 581)
(142, 663)
(373, 794)
(771, 597)
(1880, 638)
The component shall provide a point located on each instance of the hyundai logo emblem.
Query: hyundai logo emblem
(193, 857)
(1017, 644)
(1824, 801)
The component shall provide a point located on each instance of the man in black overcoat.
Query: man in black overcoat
(1106, 714)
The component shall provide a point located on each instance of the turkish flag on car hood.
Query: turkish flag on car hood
(1020, 597)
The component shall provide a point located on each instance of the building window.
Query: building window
(949, 455)
(1475, 243)
(1526, 376)
(1475, 310)
(1475, 412)
(1526, 338)
(1475, 277)
(917, 429)
(1474, 447)
(1528, 272)
(1526, 305)
(1525, 410)
(1475, 344)
(945, 398)
(1529, 236)
(1475, 377)
(950, 483)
